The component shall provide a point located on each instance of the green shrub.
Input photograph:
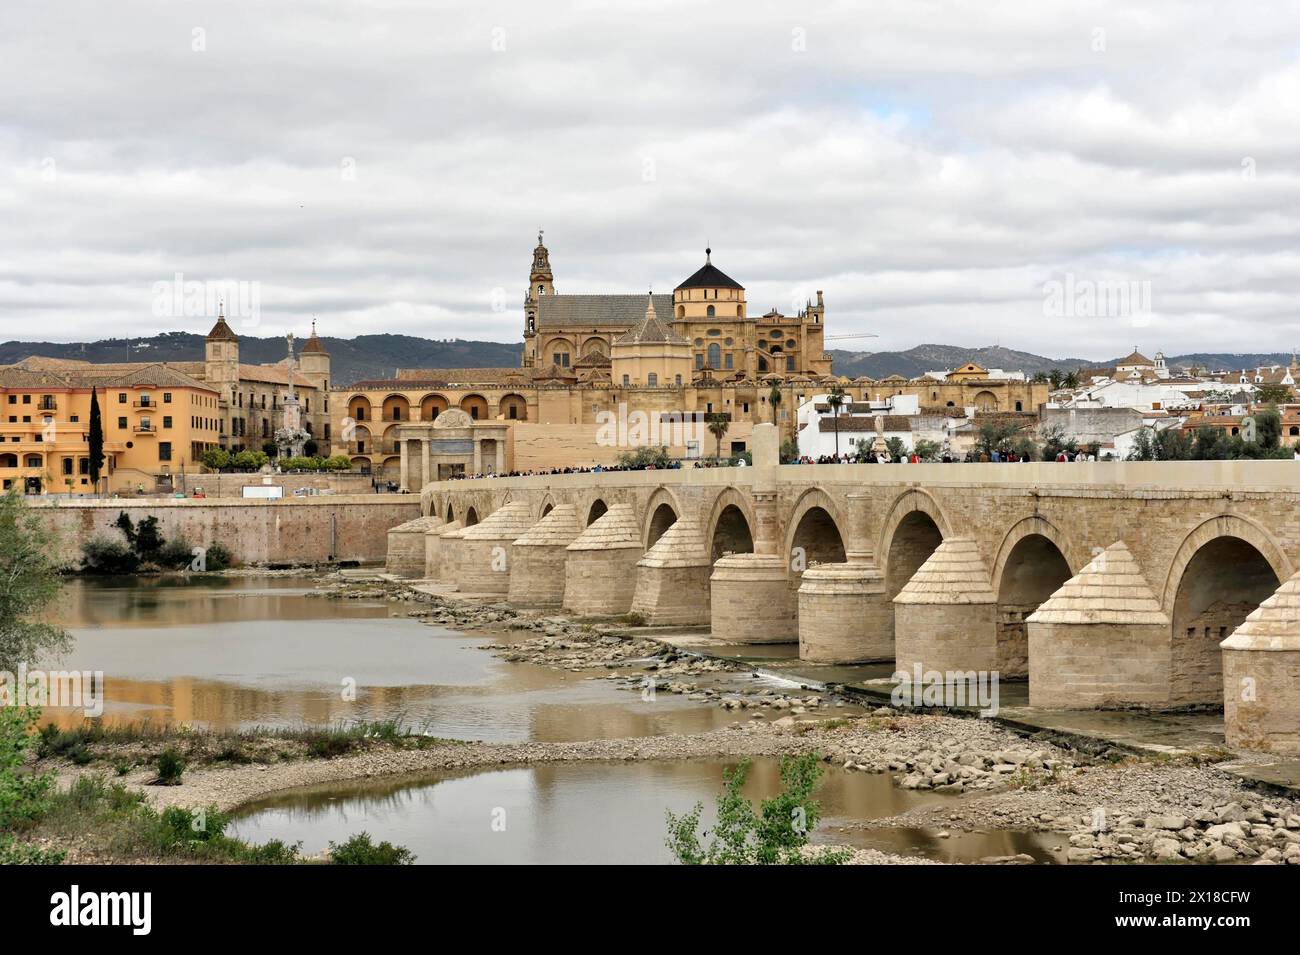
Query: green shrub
(24, 795)
(360, 850)
(102, 555)
(13, 852)
(217, 557)
(775, 835)
(171, 767)
(176, 554)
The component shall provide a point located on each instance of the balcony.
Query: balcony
(145, 429)
(48, 406)
(145, 404)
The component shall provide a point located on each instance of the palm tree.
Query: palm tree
(836, 400)
(774, 399)
(718, 426)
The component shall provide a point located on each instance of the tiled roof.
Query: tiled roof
(682, 545)
(505, 523)
(649, 330)
(710, 276)
(592, 311)
(1274, 624)
(1111, 589)
(557, 528)
(616, 529)
(222, 332)
(953, 574)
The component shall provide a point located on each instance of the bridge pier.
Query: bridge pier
(449, 552)
(406, 547)
(750, 598)
(1102, 639)
(600, 565)
(945, 617)
(844, 616)
(433, 548)
(1261, 676)
(672, 579)
(539, 557)
(486, 549)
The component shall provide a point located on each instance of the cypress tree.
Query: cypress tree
(96, 440)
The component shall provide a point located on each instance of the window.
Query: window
(167, 421)
(121, 423)
(164, 450)
(167, 397)
(710, 311)
(13, 399)
(727, 362)
(145, 399)
(652, 380)
(626, 381)
(789, 363)
(67, 467)
(27, 399)
(146, 424)
(715, 355)
(121, 397)
(75, 418)
(1019, 406)
(699, 360)
(33, 460)
(83, 465)
(677, 380)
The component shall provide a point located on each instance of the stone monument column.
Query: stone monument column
(402, 452)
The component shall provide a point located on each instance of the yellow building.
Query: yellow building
(156, 420)
(671, 361)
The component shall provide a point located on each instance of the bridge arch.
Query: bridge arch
(471, 516)
(595, 511)
(1222, 571)
(662, 511)
(1030, 566)
(817, 526)
(731, 524)
(546, 505)
(913, 527)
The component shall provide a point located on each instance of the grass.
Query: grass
(148, 743)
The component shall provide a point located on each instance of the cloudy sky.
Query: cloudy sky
(960, 172)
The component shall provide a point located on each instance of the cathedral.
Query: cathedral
(703, 329)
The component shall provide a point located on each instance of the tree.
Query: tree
(718, 426)
(1273, 394)
(774, 399)
(927, 450)
(996, 436)
(774, 835)
(836, 400)
(95, 440)
(29, 581)
(216, 459)
(1268, 428)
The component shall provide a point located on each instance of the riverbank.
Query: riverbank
(1099, 802)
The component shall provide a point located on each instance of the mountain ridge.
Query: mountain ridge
(379, 356)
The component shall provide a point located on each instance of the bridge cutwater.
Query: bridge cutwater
(1106, 584)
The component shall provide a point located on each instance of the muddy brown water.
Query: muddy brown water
(247, 652)
(584, 813)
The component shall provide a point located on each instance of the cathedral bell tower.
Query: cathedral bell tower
(540, 282)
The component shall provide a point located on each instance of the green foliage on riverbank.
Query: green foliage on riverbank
(777, 834)
(360, 850)
(29, 582)
(143, 548)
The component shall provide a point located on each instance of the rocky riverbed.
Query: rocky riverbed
(1107, 805)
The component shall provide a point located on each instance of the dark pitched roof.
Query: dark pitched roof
(710, 276)
(591, 311)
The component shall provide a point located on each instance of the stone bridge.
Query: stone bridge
(1105, 584)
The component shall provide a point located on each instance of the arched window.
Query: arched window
(715, 355)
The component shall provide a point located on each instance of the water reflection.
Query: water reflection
(586, 813)
(239, 653)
